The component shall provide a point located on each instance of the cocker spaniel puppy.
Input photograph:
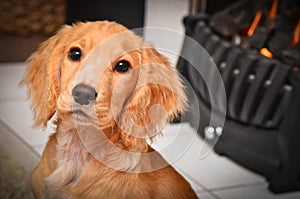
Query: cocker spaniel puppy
(111, 91)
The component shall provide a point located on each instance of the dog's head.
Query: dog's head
(102, 73)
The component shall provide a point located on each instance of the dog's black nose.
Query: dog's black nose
(83, 94)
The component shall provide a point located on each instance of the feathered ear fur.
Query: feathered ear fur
(42, 76)
(158, 97)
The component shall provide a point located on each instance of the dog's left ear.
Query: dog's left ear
(158, 97)
(42, 74)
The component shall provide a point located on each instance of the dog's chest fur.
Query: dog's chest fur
(70, 159)
(73, 158)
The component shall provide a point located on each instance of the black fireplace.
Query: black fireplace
(255, 46)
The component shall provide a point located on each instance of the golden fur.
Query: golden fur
(129, 108)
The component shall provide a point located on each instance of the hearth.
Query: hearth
(255, 46)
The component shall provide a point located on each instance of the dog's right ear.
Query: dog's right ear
(42, 77)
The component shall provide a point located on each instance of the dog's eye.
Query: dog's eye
(75, 54)
(122, 66)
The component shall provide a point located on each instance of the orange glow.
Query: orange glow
(273, 10)
(265, 52)
(254, 23)
(296, 34)
(295, 68)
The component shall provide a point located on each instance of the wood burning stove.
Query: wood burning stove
(255, 46)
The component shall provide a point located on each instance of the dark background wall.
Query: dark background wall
(129, 13)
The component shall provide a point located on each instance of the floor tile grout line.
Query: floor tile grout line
(212, 191)
(214, 195)
(193, 180)
(18, 137)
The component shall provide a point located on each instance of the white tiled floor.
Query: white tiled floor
(212, 176)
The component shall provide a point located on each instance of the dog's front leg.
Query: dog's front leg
(45, 167)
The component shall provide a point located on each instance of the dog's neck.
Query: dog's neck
(110, 146)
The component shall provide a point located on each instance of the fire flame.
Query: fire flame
(254, 23)
(265, 52)
(270, 22)
(273, 10)
(296, 34)
(270, 19)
